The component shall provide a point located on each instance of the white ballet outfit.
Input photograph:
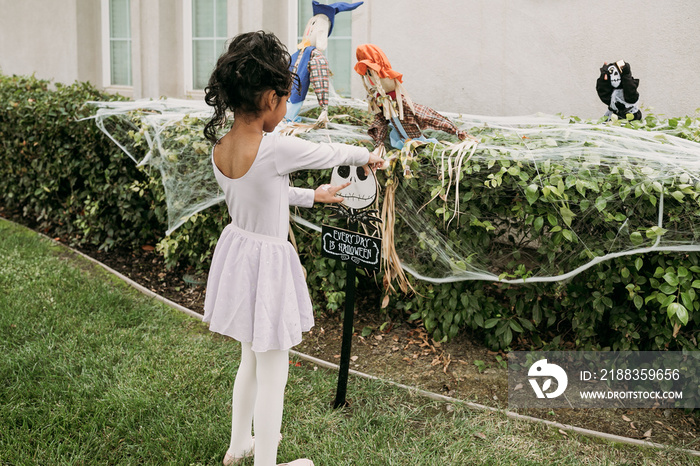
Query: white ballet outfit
(256, 291)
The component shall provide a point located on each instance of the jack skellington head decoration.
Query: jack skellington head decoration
(363, 187)
(361, 193)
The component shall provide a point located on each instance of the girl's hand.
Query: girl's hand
(379, 150)
(322, 120)
(327, 194)
(376, 161)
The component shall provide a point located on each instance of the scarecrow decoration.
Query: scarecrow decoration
(395, 113)
(310, 63)
(618, 90)
(403, 121)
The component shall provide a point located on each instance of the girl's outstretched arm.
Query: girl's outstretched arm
(301, 197)
(325, 194)
(294, 154)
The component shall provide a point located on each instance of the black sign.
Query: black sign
(365, 251)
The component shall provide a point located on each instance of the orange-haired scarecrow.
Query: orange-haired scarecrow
(395, 113)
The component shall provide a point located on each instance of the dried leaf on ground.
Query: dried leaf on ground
(385, 301)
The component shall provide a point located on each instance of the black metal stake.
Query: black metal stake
(346, 347)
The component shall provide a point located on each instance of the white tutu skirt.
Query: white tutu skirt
(256, 291)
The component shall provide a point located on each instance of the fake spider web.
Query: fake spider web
(540, 198)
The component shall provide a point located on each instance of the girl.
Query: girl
(256, 291)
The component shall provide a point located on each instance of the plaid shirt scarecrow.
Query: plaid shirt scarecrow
(384, 88)
(413, 122)
(319, 76)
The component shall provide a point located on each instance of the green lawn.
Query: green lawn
(92, 372)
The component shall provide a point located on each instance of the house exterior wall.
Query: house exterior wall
(157, 50)
(87, 46)
(39, 37)
(496, 57)
(514, 57)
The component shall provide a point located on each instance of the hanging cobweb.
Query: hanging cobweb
(549, 198)
(540, 198)
(163, 134)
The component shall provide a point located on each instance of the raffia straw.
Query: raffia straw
(401, 91)
(399, 100)
(372, 105)
(372, 90)
(382, 102)
(390, 259)
(292, 129)
(461, 150)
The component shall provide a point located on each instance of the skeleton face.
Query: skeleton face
(614, 76)
(362, 190)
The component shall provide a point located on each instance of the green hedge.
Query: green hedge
(71, 179)
(636, 302)
(66, 175)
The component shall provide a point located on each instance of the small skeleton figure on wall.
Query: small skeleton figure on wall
(618, 90)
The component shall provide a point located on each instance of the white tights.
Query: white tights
(258, 395)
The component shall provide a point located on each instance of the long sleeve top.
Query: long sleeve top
(259, 201)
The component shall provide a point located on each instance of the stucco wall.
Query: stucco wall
(158, 48)
(89, 53)
(512, 57)
(495, 57)
(39, 37)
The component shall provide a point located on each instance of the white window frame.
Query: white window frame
(188, 52)
(187, 43)
(107, 54)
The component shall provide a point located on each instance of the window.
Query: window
(339, 52)
(208, 34)
(117, 42)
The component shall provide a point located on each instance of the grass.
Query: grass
(92, 372)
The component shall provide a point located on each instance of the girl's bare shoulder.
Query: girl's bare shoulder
(235, 154)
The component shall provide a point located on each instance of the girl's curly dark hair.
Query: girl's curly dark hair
(254, 63)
